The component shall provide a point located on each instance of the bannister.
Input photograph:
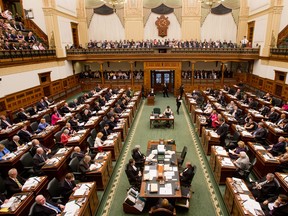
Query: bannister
(279, 51)
(282, 35)
(29, 24)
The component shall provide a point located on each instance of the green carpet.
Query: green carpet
(206, 200)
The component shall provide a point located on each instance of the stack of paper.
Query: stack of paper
(227, 162)
(153, 187)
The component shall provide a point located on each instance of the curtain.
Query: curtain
(151, 31)
(106, 27)
(219, 27)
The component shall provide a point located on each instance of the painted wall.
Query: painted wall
(67, 6)
(26, 78)
(259, 29)
(65, 31)
(36, 6)
(284, 16)
(256, 6)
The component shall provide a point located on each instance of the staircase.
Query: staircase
(282, 41)
(30, 24)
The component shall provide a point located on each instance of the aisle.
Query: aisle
(201, 202)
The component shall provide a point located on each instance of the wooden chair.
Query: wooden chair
(161, 212)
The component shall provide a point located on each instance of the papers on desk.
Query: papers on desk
(81, 132)
(220, 150)
(268, 157)
(214, 134)
(13, 200)
(253, 207)
(95, 166)
(52, 160)
(278, 130)
(74, 138)
(61, 151)
(246, 134)
(147, 177)
(153, 187)
(198, 110)
(100, 155)
(71, 208)
(259, 147)
(226, 162)
(30, 183)
(108, 142)
(166, 190)
(169, 175)
(8, 156)
(82, 189)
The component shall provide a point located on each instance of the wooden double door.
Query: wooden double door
(159, 77)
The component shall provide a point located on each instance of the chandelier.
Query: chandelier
(114, 3)
(210, 2)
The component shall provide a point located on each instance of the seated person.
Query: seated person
(105, 131)
(68, 186)
(264, 110)
(283, 161)
(272, 116)
(267, 97)
(118, 109)
(168, 111)
(46, 208)
(132, 171)
(65, 137)
(234, 154)
(24, 134)
(187, 174)
(85, 166)
(250, 125)
(164, 203)
(222, 131)
(15, 144)
(14, 182)
(39, 160)
(242, 163)
(151, 93)
(35, 145)
(5, 123)
(265, 188)
(278, 148)
(230, 107)
(3, 151)
(260, 133)
(42, 125)
(138, 157)
(22, 115)
(66, 109)
(86, 115)
(98, 141)
(41, 105)
(277, 205)
(285, 106)
(208, 109)
(55, 117)
(284, 125)
(69, 128)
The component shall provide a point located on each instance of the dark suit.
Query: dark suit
(260, 134)
(187, 176)
(278, 148)
(273, 116)
(83, 167)
(285, 127)
(105, 134)
(41, 106)
(5, 124)
(65, 109)
(138, 156)
(38, 162)
(22, 116)
(12, 146)
(280, 211)
(25, 135)
(132, 173)
(67, 189)
(222, 132)
(41, 210)
(267, 190)
(12, 187)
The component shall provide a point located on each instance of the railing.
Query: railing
(279, 51)
(217, 50)
(108, 51)
(22, 55)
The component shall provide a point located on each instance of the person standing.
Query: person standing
(181, 90)
(178, 103)
(165, 90)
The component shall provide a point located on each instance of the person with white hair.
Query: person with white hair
(242, 163)
(138, 157)
(44, 207)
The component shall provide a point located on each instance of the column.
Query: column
(133, 20)
(192, 74)
(222, 73)
(82, 23)
(243, 20)
(191, 18)
(132, 74)
(101, 72)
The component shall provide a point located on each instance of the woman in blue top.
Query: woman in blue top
(42, 125)
(3, 151)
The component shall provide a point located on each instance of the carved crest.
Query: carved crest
(162, 24)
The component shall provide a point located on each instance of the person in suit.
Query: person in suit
(238, 94)
(221, 98)
(252, 103)
(138, 157)
(65, 109)
(55, 117)
(111, 122)
(85, 166)
(39, 160)
(118, 109)
(284, 125)
(129, 92)
(181, 90)
(15, 143)
(24, 134)
(260, 133)
(47, 102)
(86, 115)
(264, 110)
(178, 103)
(281, 119)
(265, 188)
(77, 153)
(165, 90)
(32, 110)
(283, 161)
(5, 123)
(187, 174)
(97, 106)
(42, 125)
(41, 105)
(14, 182)
(68, 186)
(3, 151)
(250, 125)
(35, 145)
(272, 116)
(22, 115)
(69, 128)
(46, 208)
(236, 113)
(276, 206)
(222, 131)
(105, 131)
(164, 203)
(132, 171)
(278, 148)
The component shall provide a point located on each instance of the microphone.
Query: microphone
(35, 178)
(87, 186)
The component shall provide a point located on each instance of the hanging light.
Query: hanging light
(114, 3)
(210, 3)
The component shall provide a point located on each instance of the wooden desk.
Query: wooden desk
(114, 145)
(263, 165)
(122, 127)
(274, 132)
(78, 109)
(93, 122)
(13, 161)
(46, 137)
(105, 156)
(173, 183)
(59, 104)
(209, 138)
(39, 115)
(133, 106)
(223, 170)
(283, 180)
(216, 151)
(57, 165)
(195, 111)
(161, 120)
(100, 176)
(127, 114)
(200, 123)
(79, 139)
(244, 136)
(62, 122)
(229, 119)
(232, 197)
(20, 206)
(150, 100)
(10, 132)
(91, 202)
(37, 185)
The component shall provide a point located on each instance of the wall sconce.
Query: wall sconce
(29, 13)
